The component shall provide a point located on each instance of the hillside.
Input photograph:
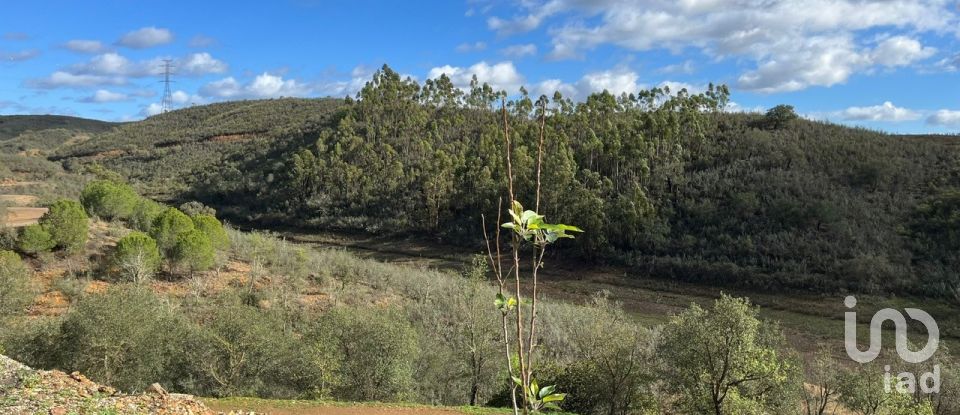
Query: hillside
(676, 192)
(12, 126)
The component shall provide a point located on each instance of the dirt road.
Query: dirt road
(20, 216)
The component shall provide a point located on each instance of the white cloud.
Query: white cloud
(945, 118)
(949, 63)
(519, 51)
(104, 96)
(23, 55)
(686, 67)
(900, 51)
(793, 44)
(181, 98)
(151, 110)
(883, 112)
(500, 76)
(146, 37)
(201, 41)
(616, 81)
(62, 79)
(114, 64)
(340, 88)
(85, 46)
(200, 64)
(471, 47)
(264, 85)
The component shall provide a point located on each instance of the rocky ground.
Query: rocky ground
(26, 391)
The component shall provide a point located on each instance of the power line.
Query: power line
(167, 103)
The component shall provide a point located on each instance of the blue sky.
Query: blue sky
(891, 65)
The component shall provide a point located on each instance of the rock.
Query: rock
(106, 390)
(58, 410)
(156, 389)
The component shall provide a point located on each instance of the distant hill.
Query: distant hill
(676, 190)
(12, 126)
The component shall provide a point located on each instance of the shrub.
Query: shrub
(14, 283)
(213, 229)
(196, 208)
(194, 251)
(145, 212)
(108, 199)
(67, 224)
(168, 227)
(136, 257)
(240, 350)
(377, 349)
(126, 337)
(34, 240)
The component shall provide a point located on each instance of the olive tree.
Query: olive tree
(725, 360)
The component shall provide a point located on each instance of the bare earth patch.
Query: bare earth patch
(22, 216)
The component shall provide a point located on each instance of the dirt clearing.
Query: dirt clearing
(17, 217)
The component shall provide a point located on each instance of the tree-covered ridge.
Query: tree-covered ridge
(209, 122)
(665, 180)
(12, 126)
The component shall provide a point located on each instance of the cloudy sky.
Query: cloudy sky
(888, 64)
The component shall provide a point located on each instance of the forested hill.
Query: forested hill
(12, 126)
(665, 182)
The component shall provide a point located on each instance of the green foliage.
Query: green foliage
(167, 229)
(67, 224)
(377, 348)
(14, 284)
(213, 229)
(34, 240)
(126, 337)
(195, 208)
(193, 251)
(663, 180)
(136, 257)
(243, 351)
(109, 200)
(145, 213)
(780, 116)
(711, 355)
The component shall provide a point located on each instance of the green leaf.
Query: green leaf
(500, 302)
(547, 391)
(517, 380)
(509, 225)
(556, 397)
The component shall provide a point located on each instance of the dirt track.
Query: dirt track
(20, 216)
(18, 200)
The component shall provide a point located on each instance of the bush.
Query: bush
(108, 199)
(168, 227)
(213, 229)
(197, 208)
(34, 240)
(136, 257)
(126, 337)
(377, 349)
(14, 283)
(145, 212)
(242, 351)
(67, 224)
(194, 251)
